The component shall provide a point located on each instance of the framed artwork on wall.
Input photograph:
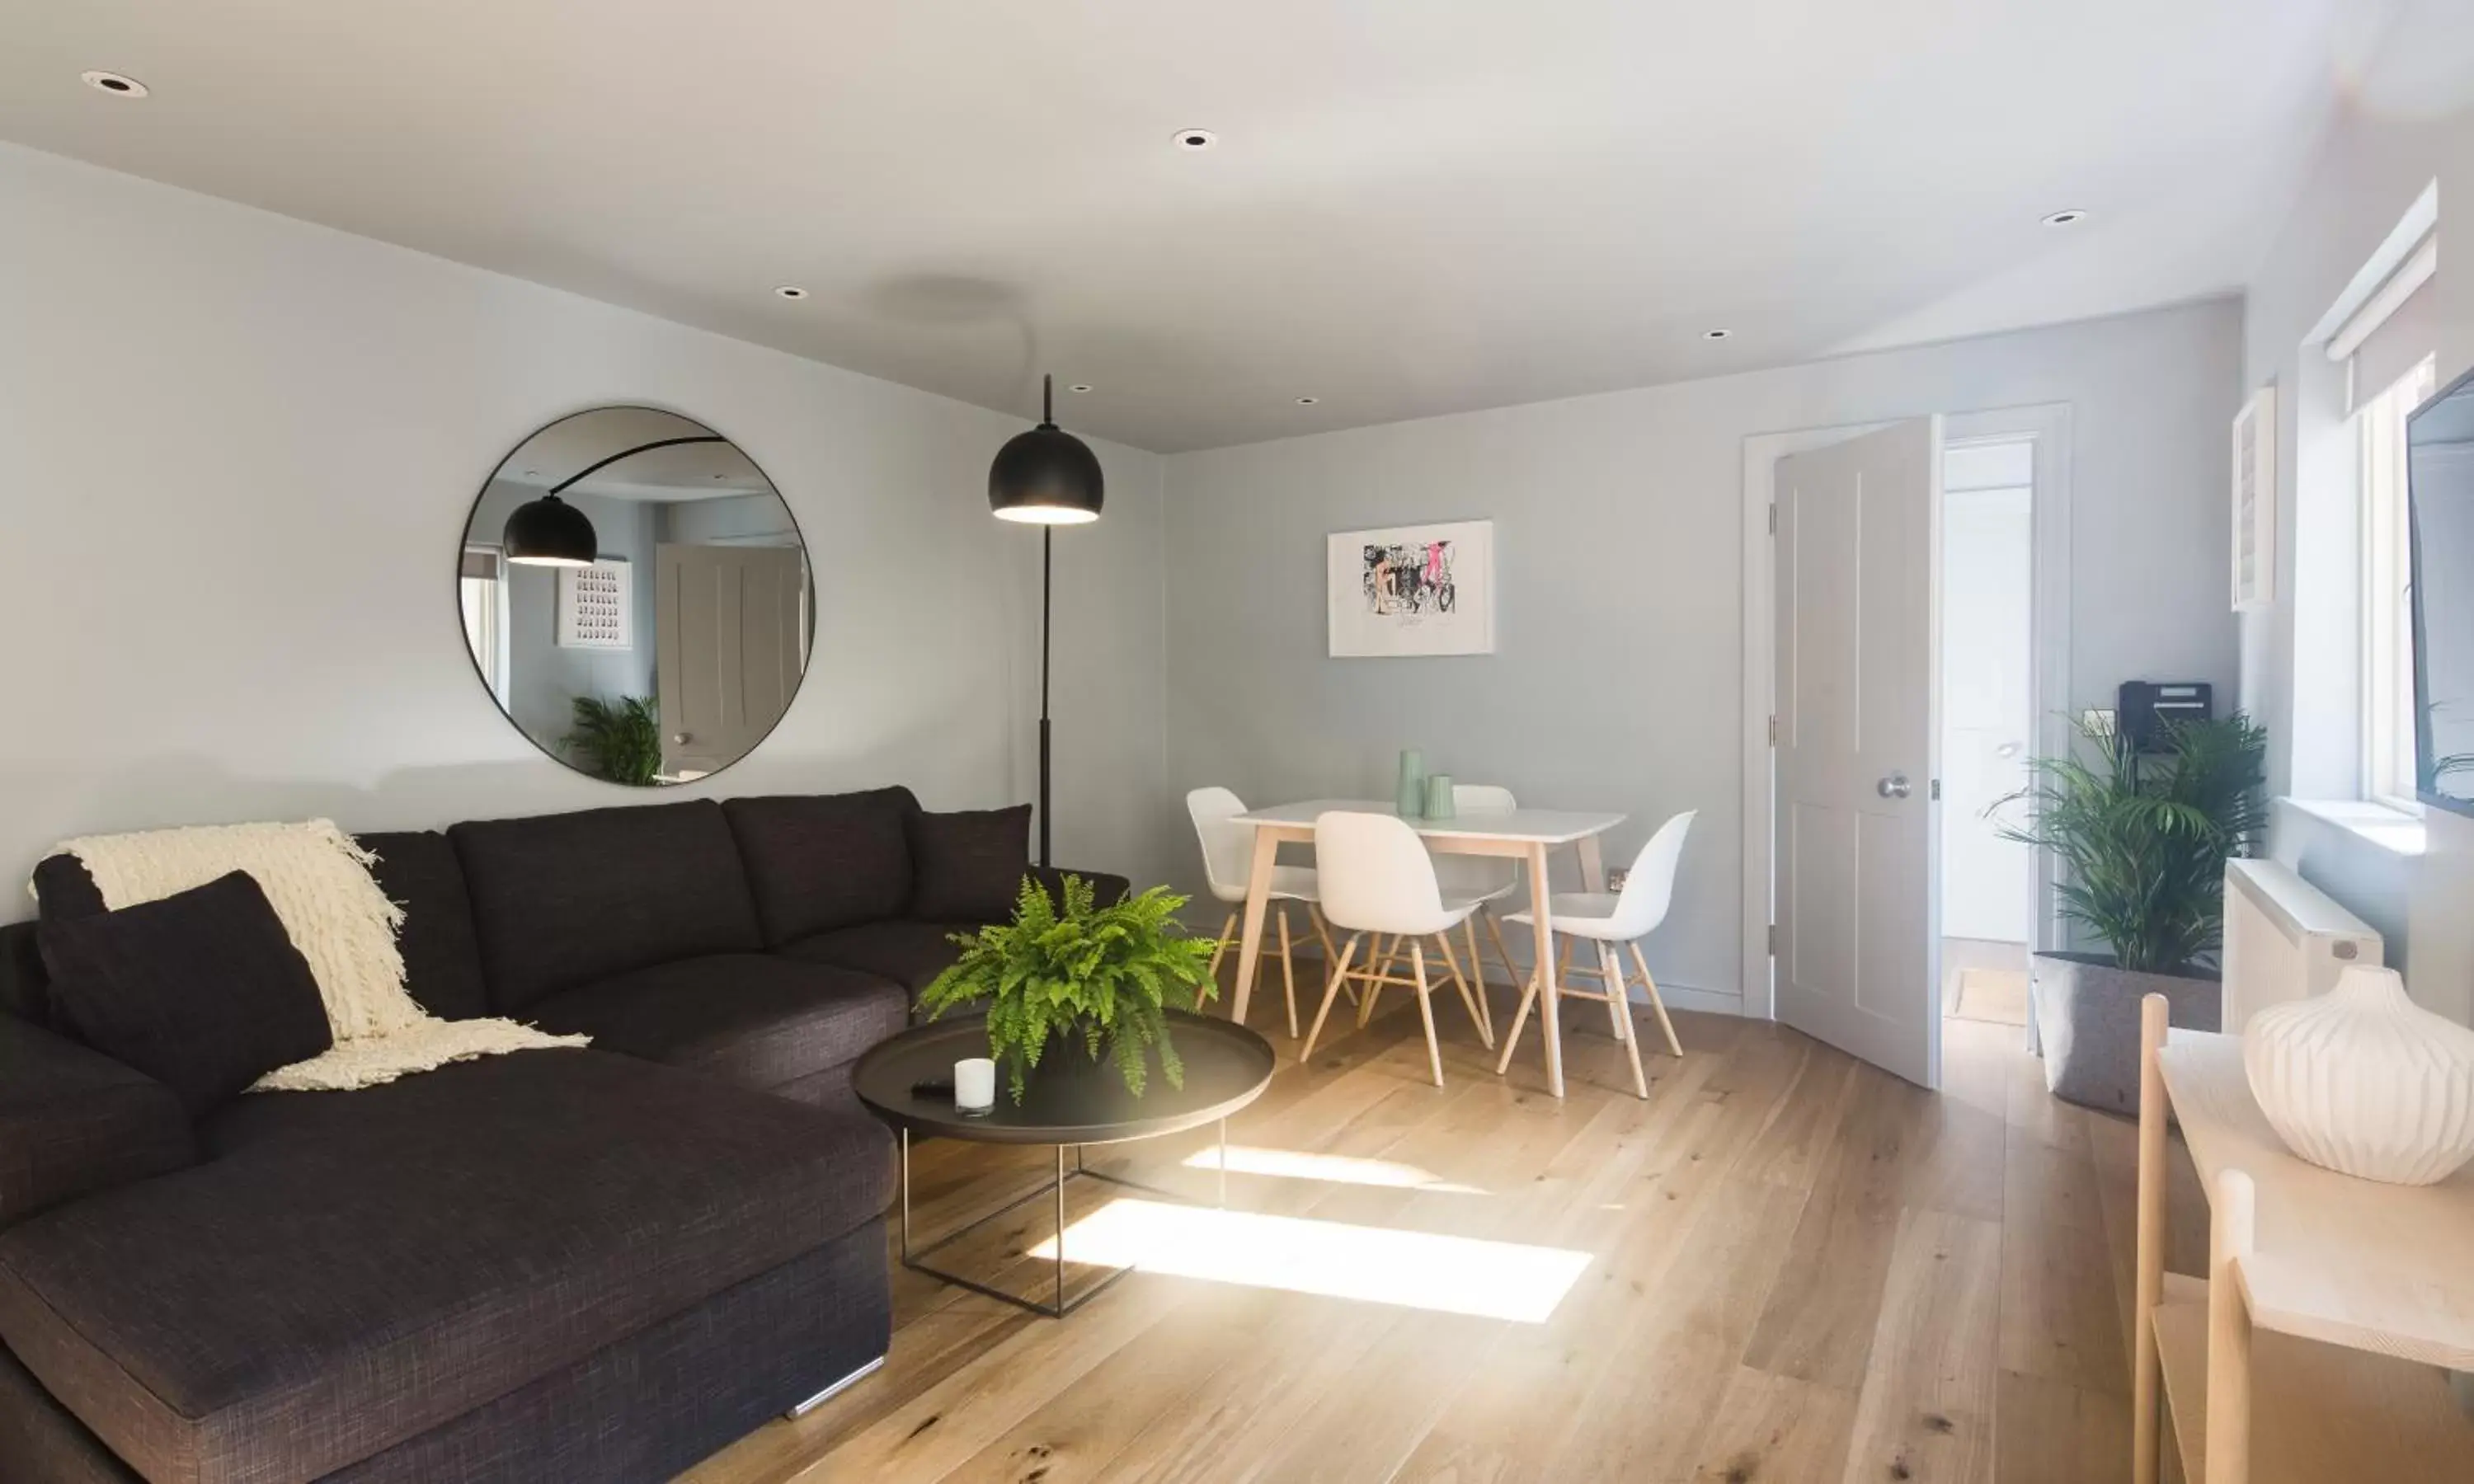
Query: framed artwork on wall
(597, 605)
(1409, 591)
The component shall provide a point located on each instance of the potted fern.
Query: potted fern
(2142, 841)
(1071, 985)
(620, 741)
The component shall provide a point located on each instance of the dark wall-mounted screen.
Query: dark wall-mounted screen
(2439, 470)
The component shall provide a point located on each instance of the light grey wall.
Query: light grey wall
(741, 519)
(2409, 122)
(236, 456)
(1617, 679)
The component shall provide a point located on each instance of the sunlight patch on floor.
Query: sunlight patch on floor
(1338, 1169)
(1450, 1275)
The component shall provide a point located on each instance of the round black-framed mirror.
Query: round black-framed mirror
(636, 596)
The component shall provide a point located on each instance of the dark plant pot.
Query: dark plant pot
(1070, 1084)
(2086, 1017)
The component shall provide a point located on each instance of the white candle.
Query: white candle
(975, 1084)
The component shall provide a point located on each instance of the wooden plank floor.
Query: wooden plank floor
(1798, 1268)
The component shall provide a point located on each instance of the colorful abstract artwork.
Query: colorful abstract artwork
(1413, 591)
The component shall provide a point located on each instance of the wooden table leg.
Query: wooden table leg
(1594, 865)
(1249, 946)
(1548, 991)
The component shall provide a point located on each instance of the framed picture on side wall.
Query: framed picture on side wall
(1408, 590)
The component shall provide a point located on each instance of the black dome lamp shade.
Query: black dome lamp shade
(549, 532)
(1046, 476)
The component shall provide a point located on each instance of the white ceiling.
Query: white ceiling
(1418, 207)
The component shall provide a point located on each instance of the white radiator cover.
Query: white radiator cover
(2285, 940)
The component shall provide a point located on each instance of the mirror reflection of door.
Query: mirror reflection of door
(732, 643)
(684, 611)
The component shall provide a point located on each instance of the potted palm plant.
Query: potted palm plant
(2142, 840)
(620, 741)
(1069, 984)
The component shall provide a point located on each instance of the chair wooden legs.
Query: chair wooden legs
(1426, 1011)
(1227, 936)
(1520, 1019)
(1288, 972)
(1495, 930)
(1619, 1006)
(1330, 953)
(1469, 1000)
(1655, 1003)
(1610, 976)
(1330, 993)
(1477, 981)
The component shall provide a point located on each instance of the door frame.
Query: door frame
(2048, 425)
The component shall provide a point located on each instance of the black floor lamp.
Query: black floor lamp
(1049, 478)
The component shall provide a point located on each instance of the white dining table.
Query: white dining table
(1522, 834)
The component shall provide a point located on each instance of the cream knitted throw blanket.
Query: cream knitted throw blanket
(318, 879)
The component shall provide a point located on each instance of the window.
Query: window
(2388, 612)
(484, 599)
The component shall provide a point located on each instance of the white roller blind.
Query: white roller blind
(2396, 327)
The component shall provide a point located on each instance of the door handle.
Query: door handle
(2007, 750)
(681, 739)
(1895, 786)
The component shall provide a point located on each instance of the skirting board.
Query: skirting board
(1677, 996)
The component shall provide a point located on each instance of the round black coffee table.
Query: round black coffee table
(1067, 1105)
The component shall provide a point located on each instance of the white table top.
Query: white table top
(1538, 826)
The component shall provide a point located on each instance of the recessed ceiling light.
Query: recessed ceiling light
(114, 83)
(1308, 401)
(790, 291)
(1196, 139)
(1080, 386)
(1716, 334)
(2071, 218)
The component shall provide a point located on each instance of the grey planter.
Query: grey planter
(2087, 1018)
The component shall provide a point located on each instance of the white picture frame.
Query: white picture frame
(597, 605)
(1406, 591)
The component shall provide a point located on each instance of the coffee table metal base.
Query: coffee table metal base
(1058, 1308)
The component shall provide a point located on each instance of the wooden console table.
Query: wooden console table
(2318, 1347)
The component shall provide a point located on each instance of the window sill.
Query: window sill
(2392, 831)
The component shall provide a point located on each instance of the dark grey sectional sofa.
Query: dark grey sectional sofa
(587, 1265)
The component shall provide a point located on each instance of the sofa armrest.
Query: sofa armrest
(74, 1121)
(1107, 890)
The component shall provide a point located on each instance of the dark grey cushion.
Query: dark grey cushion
(74, 1121)
(908, 953)
(442, 954)
(348, 1271)
(25, 990)
(64, 889)
(756, 1019)
(563, 900)
(967, 865)
(820, 861)
(202, 991)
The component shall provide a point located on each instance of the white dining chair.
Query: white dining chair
(1489, 879)
(1613, 921)
(1378, 883)
(1227, 865)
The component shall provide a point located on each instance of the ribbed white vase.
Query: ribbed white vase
(2365, 1081)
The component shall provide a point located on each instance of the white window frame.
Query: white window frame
(2388, 729)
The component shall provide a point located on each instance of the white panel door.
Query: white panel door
(731, 642)
(1988, 884)
(1856, 850)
